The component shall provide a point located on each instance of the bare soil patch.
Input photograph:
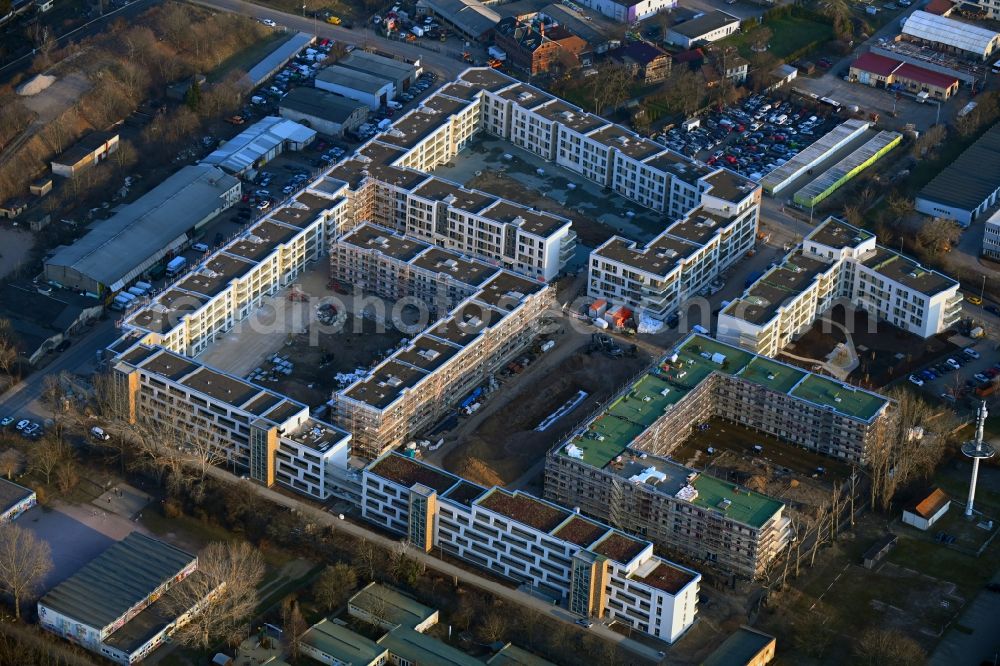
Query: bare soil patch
(505, 445)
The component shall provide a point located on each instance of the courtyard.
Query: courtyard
(498, 167)
(294, 344)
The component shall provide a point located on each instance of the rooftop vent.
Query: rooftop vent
(429, 354)
(394, 381)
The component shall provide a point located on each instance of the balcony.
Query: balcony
(567, 248)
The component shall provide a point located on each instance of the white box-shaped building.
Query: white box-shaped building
(595, 570)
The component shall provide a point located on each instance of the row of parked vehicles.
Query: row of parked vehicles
(25, 427)
(955, 362)
(752, 139)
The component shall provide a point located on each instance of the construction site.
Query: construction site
(306, 341)
(504, 442)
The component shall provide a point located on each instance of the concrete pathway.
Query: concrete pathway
(979, 642)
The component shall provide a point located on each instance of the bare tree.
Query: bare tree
(11, 462)
(228, 574)
(8, 347)
(293, 625)
(887, 647)
(369, 558)
(335, 585)
(25, 560)
(46, 457)
(938, 236)
(493, 626)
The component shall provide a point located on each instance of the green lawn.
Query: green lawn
(791, 33)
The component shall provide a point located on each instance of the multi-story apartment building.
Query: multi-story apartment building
(839, 262)
(232, 421)
(231, 283)
(592, 569)
(657, 277)
(486, 316)
(609, 469)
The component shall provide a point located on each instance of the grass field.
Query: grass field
(791, 33)
(249, 56)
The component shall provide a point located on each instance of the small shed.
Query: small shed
(927, 511)
(879, 550)
(41, 186)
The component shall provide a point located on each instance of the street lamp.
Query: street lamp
(982, 291)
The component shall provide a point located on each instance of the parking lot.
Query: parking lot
(964, 377)
(753, 138)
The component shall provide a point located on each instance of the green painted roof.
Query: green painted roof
(653, 394)
(770, 374)
(744, 505)
(845, 399)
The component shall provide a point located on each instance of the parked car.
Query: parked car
(916, 380)
(970, 352)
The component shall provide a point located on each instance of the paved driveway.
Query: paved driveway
(981, 644)
(76, 535)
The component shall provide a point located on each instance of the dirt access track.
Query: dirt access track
(500, 444)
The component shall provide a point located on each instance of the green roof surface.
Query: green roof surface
(843, 398)
(775, 376)
(342, 644)
(643, 403)
(745, 505)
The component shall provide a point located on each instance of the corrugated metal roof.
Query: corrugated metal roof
(239, 153)
(943, 30)
(116, 580)
(972, 178)
(142, 232)
(279, 56)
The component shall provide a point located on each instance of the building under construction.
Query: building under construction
(609, 467)
(483, 317)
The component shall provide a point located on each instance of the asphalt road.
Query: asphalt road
(24, 399)
(92, 27)
(441, 62)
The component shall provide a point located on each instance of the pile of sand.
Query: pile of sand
(35, 85)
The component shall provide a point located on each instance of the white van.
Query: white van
(136, 291)
(99, 434)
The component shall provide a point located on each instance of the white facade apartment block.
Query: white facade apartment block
(991, 237)
(838, 261)
(591, 568)
(658, 277)
(229, 285)
(240, 423)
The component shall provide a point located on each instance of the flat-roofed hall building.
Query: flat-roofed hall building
(838, 262)
(611, 467)
(592, 569)
(118, 250)
(117, 605)
(15, 499)
(969, 186)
